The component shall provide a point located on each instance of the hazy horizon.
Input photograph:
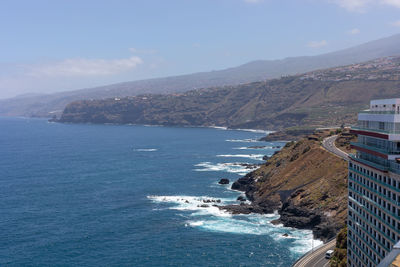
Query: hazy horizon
(54, 47)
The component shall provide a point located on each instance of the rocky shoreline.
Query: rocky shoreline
(312, 203)
(291, 215)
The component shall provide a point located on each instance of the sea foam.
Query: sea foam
(145, 149)
(237, 168)
(205, 216)
(242, 140)
(249, 156)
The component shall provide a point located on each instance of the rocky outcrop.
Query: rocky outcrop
(246, 209)
(304, 183)
(224, 181)
(287, 134)
(241, 198)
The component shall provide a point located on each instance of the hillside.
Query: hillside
(316, 99)
(304, 182)
(48, 105)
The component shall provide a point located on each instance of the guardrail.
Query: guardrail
(375, 130)
(313, 250)
(369, 163)
(379, 112)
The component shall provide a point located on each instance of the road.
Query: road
(317, 257)
(329, 144)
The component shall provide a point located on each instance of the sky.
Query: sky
(55, 45)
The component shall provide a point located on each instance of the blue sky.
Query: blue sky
(51, 46)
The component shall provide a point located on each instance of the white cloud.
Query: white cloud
(133, 50)
(362, 5)
(354, 31)
(395, 3)
(84, 67)
(396, 23)
(317, 44)
(353, 5)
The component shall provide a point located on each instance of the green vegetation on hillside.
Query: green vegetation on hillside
(48, 105)
(339, 258)
(331, 98)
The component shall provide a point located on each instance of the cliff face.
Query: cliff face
(305, 183)
(318, 99)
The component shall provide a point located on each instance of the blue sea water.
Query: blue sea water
(106, 195)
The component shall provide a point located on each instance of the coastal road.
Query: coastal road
(329, 144)
(316, 258)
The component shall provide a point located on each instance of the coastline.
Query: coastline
(296, 202)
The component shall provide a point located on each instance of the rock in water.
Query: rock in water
(241, 198)
(224, 181)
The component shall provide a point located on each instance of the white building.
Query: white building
(374, 184)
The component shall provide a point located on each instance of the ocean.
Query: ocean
(112, 195)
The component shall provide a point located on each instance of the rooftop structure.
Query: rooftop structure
(374, 184)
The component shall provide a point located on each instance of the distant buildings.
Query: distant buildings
(374, 184)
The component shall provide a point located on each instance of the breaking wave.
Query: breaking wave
(205, 216)
(238, 168)
(242, 140)
(145, 149)
(249, 156)
(249, 147)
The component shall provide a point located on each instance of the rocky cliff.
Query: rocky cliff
(304, 182)
(322, 98)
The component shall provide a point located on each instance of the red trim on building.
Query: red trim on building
(373, 134)
(367, 165)
(378, 154)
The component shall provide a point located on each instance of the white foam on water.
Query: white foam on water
(192, 202)
(255, 131)
(242, 140)
(145, 149)
(196, 223)
(237, 168)
(219, 127)
(304, 241)
(249, 156)
(260, 148)
(209, 218)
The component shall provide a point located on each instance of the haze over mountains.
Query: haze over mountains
(321, 98)
(48, 105)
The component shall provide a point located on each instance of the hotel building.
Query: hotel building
(374, 184)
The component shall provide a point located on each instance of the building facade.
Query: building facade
(374, 184)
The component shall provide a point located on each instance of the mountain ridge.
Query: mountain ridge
(320, 98)
(259, 70)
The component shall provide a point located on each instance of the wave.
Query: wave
(242, 140)
(207, 217)
(219, 127)
(255, 131)
(249, 156)
(238, 168)
(258, 147)
(145, 149)
(203, 205)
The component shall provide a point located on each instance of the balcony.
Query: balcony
(379, 112)
(359, 128)
(370, 200)
(376, 149)
(370, 163)
(397, 189)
